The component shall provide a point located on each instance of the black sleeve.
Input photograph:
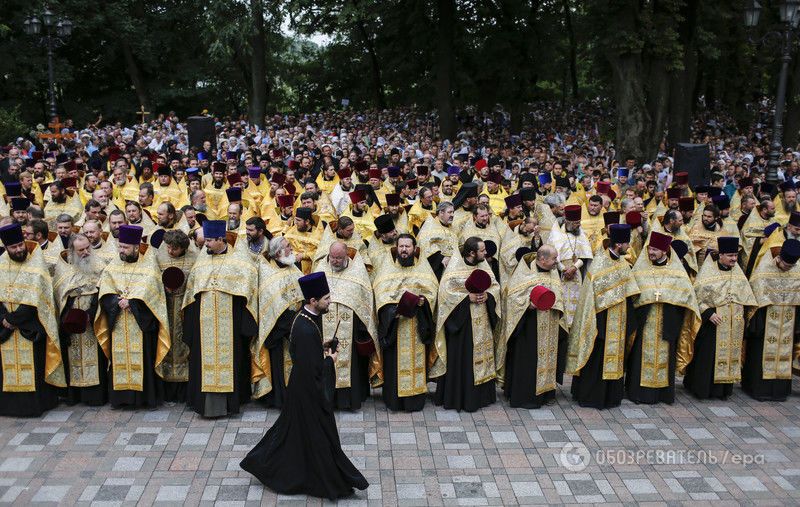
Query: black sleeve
(435, 261)
(190, 320)
(25, 319)
(387, 325)
(707, 314)
(561, 357)
(458, 317)
(280, 331)
(491, 306)
(110, 304)
(631, 317)
(426, 329)
(145, 319)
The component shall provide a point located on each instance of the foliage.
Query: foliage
(189, 55)
(11, 124)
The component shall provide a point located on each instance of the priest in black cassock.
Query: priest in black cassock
(771, 346)
(301, 453)
(405, 324)
(219, 322)
(132, 326)
(30, 354)
(533, 339)
(665, 296)
(604, 320)
(468, 313)
(711, 363)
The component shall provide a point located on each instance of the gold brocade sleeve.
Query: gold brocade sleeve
(29, 283)
(138, 280)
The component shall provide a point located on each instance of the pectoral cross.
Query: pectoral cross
(657, 294)
(141, 112)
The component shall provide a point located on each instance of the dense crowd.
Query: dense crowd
(138, 269)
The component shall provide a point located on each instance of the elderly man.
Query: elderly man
(405, 294)
(468, 312)
(220, 312)
(344, 231)
(32, 366)
(533, 339)
(279, 300)
(76, 288)
(132, 326)
(351, 319)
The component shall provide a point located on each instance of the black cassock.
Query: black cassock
(274, 344)
(387, 334)
(522, 359)
(699, 378)
(753, 382)
(32, 404)
(244, 328)
(351, 398)
(152, 393)
(456, 389)
(435, 261)
(93, 396)
(589, 389)
(301, 453)
(671, 329)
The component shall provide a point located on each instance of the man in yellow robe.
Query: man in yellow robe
(771, 349)
(711, 361)
(604, 320)
(665, 307)
(351, 318)
(220, 314)
(30, 353)
(405, 295)
(175, 261)
(304, 237)
(132, 326)
(468, 312)
(76, 280)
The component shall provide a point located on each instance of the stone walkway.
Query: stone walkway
(733, 452)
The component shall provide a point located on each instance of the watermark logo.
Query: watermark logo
(575, 457)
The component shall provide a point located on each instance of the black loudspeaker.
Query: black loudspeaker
(201, 129)
(694, 159)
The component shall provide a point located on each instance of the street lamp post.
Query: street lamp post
(790, 15)
(56, 29)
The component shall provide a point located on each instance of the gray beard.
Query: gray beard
(202, 208)
(287, 260)
(337, 269)
(789, 235)
(85, 265)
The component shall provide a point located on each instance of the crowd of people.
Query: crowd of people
(137, 269)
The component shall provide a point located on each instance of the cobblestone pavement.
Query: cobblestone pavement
(732, 452)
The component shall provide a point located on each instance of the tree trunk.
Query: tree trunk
(257, 106)
(682, 83)
(573, 59)
(135, 75)
(633, 118)
(375, 65)
(792, 122)
(444, 69)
